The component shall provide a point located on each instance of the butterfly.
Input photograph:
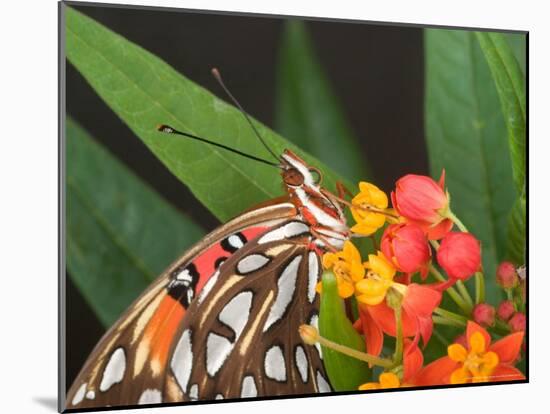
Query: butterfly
(222, 321)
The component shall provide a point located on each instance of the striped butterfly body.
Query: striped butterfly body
(222, 321)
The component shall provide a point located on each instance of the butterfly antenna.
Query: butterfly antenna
(169, 130)
(218, 76)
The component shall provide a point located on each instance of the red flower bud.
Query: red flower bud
(459, 255)
(507, 276)
(505, 310)
(484, 314)
(517, 322)
(407, 247)
(422, 201)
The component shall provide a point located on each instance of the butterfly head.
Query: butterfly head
(303, 184)
(297, 174)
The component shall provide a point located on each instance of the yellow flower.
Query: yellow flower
(347, 268)
(372, 289)
(367, 209)
(477, 363)
(387, 380)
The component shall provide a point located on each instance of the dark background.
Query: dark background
(375, 71)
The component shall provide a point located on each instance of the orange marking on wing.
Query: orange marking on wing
(161, 329)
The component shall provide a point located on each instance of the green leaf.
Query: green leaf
(466, 135)
(145, 91)
(516, 232)
(120, 233)
(510, 84)
(518, 43)
(308, 112)
(345, 373)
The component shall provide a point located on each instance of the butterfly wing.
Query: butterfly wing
(242, 340)
(129, 364)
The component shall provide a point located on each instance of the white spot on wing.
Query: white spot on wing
(313, 275)
(235, 241)
(79, 395)
(194, 392)
(185, 277)
(248, 388)
(182, 360)
(322, 384)
(251, 263)
(217, 350)
(90, 395)
(274, 364)
(114, 371)
(286, 285)
(314, 321)
(219, 397)
(208, 286)
(150, 396)
(236, 313)
(289, 230)
(301, 362)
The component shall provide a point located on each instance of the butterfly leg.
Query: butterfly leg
(342, 190)
(320, 233)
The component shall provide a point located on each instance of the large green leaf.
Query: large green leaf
(466, 135)
(516, 232)
(510, 84)
(120, 233)
(345, 373)
(308, 112)
(518, 43)
(145, 91)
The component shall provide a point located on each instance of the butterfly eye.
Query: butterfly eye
(293, 177)
(316, 175)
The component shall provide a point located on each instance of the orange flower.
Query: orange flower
(347, 267)
(418, 304)
(386, 380)
(480, 361)
(412, 364)
(368, 209)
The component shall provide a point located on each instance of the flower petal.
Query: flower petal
(457, 352)
(421, 300)
(412, 360)
(506, 372)
(351, 254)
(472, 328)
(508, 348)
(436, 373)
(385, 318)
(389, 380)
(374, 338)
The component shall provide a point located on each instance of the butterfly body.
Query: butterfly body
(222, 321)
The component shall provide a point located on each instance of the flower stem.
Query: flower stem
(457, 221)
(371, 359)
(398, 355)
(464, 293)
(451, 315)
(458, 299)
(440, 320)
(480, 287)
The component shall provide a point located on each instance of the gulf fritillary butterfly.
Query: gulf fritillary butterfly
(222, 321)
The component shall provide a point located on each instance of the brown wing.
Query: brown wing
(130, 363)
(242, 340)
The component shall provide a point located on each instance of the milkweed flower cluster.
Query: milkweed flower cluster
(421, 254)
